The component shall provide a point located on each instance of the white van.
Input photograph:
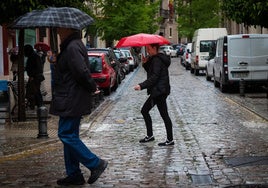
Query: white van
(243, 56)
(203, 39)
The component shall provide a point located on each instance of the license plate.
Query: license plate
(240, 75)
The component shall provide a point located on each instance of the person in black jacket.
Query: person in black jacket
(158, 88)
(72, 98)
(34, 69)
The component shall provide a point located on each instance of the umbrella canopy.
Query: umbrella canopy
(64, 17)
(141, 39)
(41, 46)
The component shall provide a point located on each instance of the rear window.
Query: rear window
(249, 47)
(95, 64)
(205, 45)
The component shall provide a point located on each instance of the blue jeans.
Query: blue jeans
(75, 151)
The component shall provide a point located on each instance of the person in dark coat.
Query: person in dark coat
(34, 69)
(73, 88)
(158, 89)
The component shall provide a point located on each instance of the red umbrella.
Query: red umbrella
(41, 46)
(141, 39)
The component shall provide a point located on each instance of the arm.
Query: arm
(79, 66)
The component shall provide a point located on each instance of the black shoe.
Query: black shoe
(147, 139)
(96, 172)
(72, 180)
(166, 143)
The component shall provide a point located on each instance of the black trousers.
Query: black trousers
(161, 104)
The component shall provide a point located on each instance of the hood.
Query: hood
(165, 59)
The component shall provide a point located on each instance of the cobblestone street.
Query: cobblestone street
(218, 142)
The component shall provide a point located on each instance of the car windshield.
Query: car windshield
(206, 45)
(117, 54)
(127, 54)
(95, 64)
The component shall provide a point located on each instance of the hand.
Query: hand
(144, 59)
(137, 87)
(97, 91)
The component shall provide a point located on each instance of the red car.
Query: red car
(102, 71)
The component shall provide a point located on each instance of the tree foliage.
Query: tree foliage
(249, 12)
(194, 14)
(119, 18)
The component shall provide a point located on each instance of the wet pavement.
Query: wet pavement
(221, 140)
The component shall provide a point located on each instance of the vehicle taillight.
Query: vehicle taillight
(186, 55)
(130, 58)
(196, 59)
(225, 62)
(245, 36)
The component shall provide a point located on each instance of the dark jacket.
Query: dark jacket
(73, 85)
(34, 67)
(157, 82)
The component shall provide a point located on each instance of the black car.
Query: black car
(114, 61)
(180, 50)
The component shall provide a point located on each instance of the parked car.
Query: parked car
(186, 58)
(122, 59)
(168, 50)
(241, 57)
(211, 63)
(135, 55)
(130, 58)
(102, 71)
(210, 69)
(115, 64)
(180, 49)
(202, 40)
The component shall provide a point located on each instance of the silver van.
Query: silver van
(241, 57)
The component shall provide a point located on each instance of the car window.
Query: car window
(127, 53)
(95, 64)
(117, 54)
(205, 45)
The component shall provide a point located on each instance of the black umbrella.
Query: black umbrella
(64, 17)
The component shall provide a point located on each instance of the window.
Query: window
(205, 46)
(95, 64)
(170, 32)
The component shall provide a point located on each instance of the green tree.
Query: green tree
(194, 14)
(120, 18)
(249, 12)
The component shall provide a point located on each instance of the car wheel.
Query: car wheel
(115, 86)
(192, 70)
(223, 87)
(208, 78)
(196, 72)
(216, 84)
